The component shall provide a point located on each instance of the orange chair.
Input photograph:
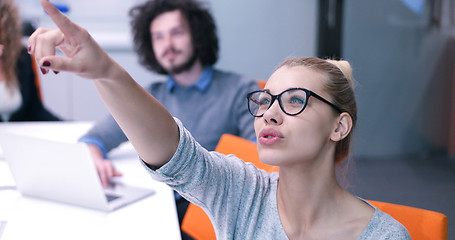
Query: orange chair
(421, 224)
(196, 223)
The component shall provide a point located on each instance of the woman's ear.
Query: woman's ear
(343, 126)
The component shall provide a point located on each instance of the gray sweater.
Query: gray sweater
(239, 198)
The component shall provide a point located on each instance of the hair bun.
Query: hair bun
(345, 68)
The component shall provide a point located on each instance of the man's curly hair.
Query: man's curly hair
(202, 27)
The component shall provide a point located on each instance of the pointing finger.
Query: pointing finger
(63, 23)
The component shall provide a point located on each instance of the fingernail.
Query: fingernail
(46, 64)
(56, 72)
(29, 49)
(43, 71)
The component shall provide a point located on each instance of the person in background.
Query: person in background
(178, 38)
(19, 94)
(304, 119)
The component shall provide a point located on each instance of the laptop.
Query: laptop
(63, 172)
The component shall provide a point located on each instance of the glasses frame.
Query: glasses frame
(309, 93)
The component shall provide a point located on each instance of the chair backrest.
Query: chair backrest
(196, 223)
(421, 224)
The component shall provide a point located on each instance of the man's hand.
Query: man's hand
(104, 167)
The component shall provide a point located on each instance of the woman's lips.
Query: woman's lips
(269, 136)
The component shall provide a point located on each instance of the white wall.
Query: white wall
(255, 36)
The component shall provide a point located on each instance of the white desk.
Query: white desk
(154, 217)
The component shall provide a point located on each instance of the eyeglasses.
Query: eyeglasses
(292, 101)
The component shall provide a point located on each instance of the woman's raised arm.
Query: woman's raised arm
(148, 125)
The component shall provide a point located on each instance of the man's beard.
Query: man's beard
(184, 66)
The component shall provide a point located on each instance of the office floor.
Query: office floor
(424, 182)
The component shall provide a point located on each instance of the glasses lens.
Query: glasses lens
(293, 101)
(259, 102)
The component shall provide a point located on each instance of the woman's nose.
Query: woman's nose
(274, 115)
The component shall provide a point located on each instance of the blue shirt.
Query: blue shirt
(202, 83)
